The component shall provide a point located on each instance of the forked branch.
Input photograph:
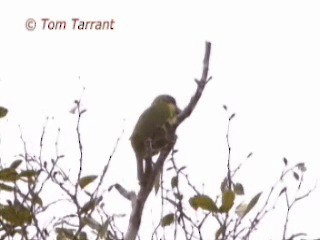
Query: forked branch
(139, 201)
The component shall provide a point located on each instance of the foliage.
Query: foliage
(23, 185)
(3, 112)
(234, 219)
(24, 181)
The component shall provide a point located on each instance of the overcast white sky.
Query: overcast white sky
(265, 67)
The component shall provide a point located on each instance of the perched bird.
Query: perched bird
(151, 132)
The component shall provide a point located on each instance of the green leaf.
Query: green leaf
(16, 215)
(252, 203)
(36, 199)
(174, 181)
(167, 220)
(204, 202)
(29, 174)
(238, 189)
(84, 181)
(3, 112)
(15, 164)
(8, 175)
(227, 201)
(6, 187)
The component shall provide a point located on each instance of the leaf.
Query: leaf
(296, 176)
(174, 181)
(238, 189)
(224, 185)
(227, 201)
(204, 202)
(225, 107)
(175, 151)
(157, 183)
(178, 196)
(16, 215)
(282, 191)
(8, 175)
(15, 164)
(220, 231)
(64, 234)
(252, 203)
(82, 111)
(36, 199)
(84, 181)
(167, 220)
(103, 231)
(73, 110)
(302, 167)
(232, 116)
(30, 174)
(83, 236)
(3, 112)
(91, 204)
(285, 161)
(241, 210)
(5, 187)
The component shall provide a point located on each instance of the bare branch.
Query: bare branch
(106, 167)
(138, 204)
(201, 85)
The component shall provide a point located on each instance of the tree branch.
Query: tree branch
(201, 85)
(139, 202)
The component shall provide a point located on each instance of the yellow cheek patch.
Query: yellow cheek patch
(173, 115)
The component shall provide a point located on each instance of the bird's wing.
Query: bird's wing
(149, 121)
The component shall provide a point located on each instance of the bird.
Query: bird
(151, 132)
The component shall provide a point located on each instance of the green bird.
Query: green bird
(151, 132)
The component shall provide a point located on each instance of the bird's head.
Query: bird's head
(170, 102)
